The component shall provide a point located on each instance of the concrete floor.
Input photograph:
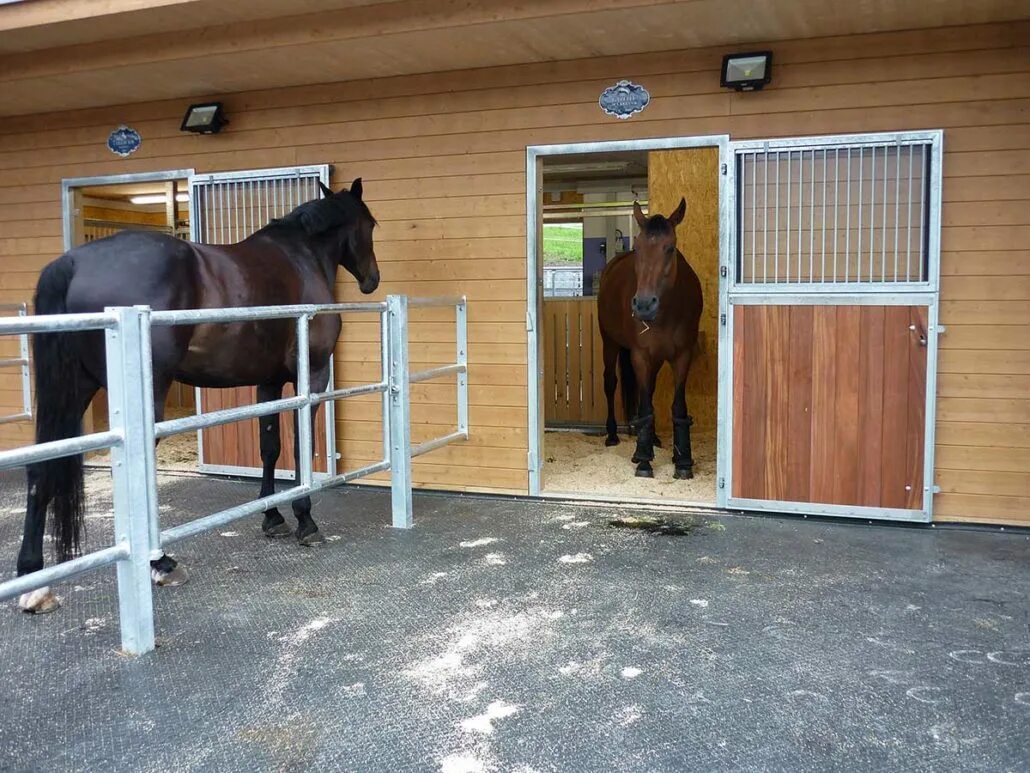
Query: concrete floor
(519, 636)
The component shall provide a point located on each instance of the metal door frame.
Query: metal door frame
(196, 180)
(534, 273)
(912, 294)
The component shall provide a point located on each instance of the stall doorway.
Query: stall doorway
(582, 214)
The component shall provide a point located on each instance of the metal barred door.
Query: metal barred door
(226, 208)
(831, 319)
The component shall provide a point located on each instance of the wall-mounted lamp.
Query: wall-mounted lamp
(746, 72)
(204, 118)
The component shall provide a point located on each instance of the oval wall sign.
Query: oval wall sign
(624, 99)
(124, 141)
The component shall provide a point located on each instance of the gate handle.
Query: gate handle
(922, 335)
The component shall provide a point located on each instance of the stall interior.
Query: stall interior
(104, 210)
(587, 220)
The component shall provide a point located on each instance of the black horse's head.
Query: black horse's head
(655, 259)
(341, 225)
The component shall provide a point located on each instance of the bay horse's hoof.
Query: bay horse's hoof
(644, 470)
(611, 440)
(684, 473)
(38, 602)
(278, 530)
(170, 579)
(311, 539)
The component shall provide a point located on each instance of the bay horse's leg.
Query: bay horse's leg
(611, 364)
(682, 457)
(30, 555)
(307, 531)
(644, 454)
(165, 572)
(270, 426)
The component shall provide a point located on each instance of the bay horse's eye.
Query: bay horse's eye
(669, 249)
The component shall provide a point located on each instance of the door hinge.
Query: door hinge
(532, 461)
(722, 319)
(529, 322)
(723, 271)
(723, 169)
(722, 483)
(941, 330)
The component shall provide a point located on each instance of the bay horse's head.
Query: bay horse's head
(654, 259)
(342, 225)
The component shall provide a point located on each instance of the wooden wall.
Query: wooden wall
(443, 159)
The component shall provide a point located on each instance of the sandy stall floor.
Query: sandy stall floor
(581, 464)
(178, 452)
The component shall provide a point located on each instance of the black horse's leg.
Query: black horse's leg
(307, 531)
(611, 365)
(30, 555)
(644, 423)
(165, 571)
(274, 524)
(682, 457)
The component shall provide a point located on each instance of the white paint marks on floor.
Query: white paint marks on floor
(229, 534)
(578, 558)
(495, 559)
(630, 672)
(703, 603)
(461, 763)
(629, 715)
(576, 525)
(434, 578)
(484, 723)
(334, 537)
(478, 543)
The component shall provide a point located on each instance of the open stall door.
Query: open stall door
(832, 319)
(227, 208)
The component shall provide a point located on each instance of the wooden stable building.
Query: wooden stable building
(452, 112)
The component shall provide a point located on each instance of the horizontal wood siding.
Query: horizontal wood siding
(443, 160)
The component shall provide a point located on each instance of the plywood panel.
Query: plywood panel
(841, 389)
(692, 174)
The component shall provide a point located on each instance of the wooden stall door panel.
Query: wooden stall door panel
(239, 445)
(574, 364)
(829, 405)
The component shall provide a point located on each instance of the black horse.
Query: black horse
(292, 260)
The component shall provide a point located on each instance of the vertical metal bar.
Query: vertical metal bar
(400, 405)
(801, 205)
(304, 412)
(126, 397)
(743, 244)
(897, 205)
(811, 220)
(23, 353)
(786, 257)
(858, 251)
(765, 215)
(883, 218)
(384, 362)
(823, 260)
(776, 227)
(147, 357)
(836, 197)
(922, 213)
(754, 213)
(908, 217)
(462, 338)
(872, 206)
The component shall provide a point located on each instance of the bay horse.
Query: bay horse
(292, 260)
(649, 306)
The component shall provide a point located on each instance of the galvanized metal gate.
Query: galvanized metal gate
(829, 315)
(225, 208)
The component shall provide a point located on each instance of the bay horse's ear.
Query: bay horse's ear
(355, 189)
(638, 213)
(677, 217)
(326, 190)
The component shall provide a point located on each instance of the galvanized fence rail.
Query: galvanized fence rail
(133, 433)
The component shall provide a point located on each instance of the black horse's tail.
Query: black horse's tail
(58, 413)
(628, 384)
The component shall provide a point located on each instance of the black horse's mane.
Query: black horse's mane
(322, 215)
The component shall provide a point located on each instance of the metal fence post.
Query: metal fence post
(400, 404)
(304, 424)
(462, 336)
(384, 344)
(132, 466)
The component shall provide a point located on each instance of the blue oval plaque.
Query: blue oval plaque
(124, 141)
(624, 99)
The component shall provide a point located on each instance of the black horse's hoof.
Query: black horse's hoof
(277, 530)
(611, 440)
(645, 471)
(684, 473)
(310, 539)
